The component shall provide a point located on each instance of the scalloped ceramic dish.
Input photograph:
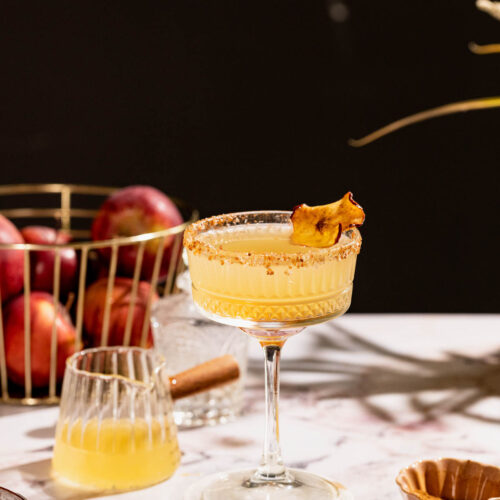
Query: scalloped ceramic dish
(9, 495)
(449, 479)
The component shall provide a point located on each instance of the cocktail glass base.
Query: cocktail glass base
(240, 485)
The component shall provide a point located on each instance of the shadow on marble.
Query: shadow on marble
(42, 432)
(234, 442)
(374, 369)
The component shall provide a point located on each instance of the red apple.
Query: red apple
(42, 313)
(136, 210)
(11, 261)
(42, 261)
(95, 300)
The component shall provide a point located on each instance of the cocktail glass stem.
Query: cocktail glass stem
(272, 467)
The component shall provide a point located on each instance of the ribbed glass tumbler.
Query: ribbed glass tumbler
(115, 428)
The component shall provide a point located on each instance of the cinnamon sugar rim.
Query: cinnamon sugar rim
(199, 246)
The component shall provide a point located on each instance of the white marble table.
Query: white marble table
(362, 397)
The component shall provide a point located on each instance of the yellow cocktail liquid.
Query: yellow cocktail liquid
(255, 273)
(116, 454)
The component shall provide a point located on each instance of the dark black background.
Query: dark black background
(237, 105)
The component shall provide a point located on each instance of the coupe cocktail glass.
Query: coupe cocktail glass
(246, 272)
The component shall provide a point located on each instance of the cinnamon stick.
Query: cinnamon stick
(213, 373)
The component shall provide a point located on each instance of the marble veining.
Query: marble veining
(362, 397)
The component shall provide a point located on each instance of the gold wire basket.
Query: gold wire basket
(70, 214)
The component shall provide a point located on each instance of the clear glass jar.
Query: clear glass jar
(185, 338)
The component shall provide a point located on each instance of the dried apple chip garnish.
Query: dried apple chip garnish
(322, 226)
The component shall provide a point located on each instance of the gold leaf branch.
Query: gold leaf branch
(447, 109)
(491, 8)
(492, 48)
